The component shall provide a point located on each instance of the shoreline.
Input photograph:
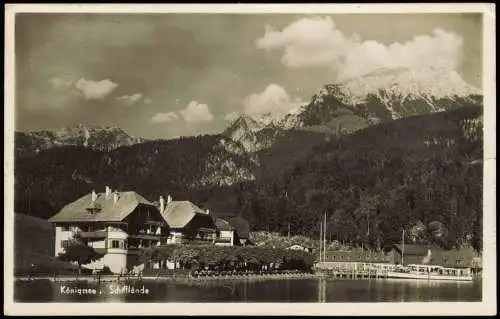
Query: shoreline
(179, 279)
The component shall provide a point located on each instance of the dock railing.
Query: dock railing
(355, 269)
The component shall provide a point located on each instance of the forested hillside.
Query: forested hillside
(423, 173)
(55, 177)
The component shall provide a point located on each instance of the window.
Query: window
(64, 243)
(115, 244)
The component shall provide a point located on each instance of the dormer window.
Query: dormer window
(93, 208)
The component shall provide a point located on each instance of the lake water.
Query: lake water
(295, 290)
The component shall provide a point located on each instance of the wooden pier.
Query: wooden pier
(354, 270)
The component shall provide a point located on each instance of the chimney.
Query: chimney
(115, 197)
(108, 191)
(169, 199)
(162, 204)
(94, 195)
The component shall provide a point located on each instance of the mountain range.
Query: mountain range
(386, 137)
(94, 137)
(380, 96)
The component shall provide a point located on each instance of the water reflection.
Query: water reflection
(322, 290)
(308, 290)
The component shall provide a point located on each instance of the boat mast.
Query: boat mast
(320, 235)
(324, 241)
(403, 248)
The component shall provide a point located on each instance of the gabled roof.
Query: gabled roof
(178, 214)
(222, 224)
(437, 253)
(78, 211)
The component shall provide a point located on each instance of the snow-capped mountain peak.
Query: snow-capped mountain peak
(400, 84)
(246, 123)
(383, 95)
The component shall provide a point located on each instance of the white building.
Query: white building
(188, 224)
(116, 224)
(226, 233)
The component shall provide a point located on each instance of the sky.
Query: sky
(168, 75)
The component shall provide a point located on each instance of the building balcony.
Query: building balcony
(97, 234)
(146, 236)
(153, 222)
(206, 230)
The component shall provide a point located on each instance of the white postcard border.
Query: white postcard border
(487, 306)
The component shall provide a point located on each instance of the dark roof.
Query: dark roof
(356, 252)
(222, 224)
(178, 214)
(453, 257)
(412, 249)
(78, 211)
(241, 225)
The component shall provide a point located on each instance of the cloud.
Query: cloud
(95, 90)
(60, 83)
(164, 117)
(231, 116)
(196, 113)
(148, 100)
(273, 101)
(316, 41)
(130, 99)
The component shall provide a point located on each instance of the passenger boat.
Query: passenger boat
(430, 272)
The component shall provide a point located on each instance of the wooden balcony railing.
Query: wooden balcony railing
(147, 236)
(97, 234)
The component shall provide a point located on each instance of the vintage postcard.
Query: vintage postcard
(250, 159)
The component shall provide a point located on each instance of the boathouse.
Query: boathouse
(356, 255)
(463, 257)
